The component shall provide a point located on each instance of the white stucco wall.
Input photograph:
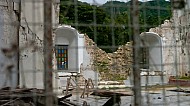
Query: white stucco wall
(66, 35)
(183, 32)
(31, 58)
(8, 38)
(31, 30)
(169, 53)
(187, 4)
(180, 40)
(175, 35)
(81, 48)
(154, 43)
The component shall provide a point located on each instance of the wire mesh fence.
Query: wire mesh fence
(74, 53)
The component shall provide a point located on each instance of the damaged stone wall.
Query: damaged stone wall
(110, 66)
(183, 33)
(8, 44)
(121, 61)
(166, 32)
(175, 35)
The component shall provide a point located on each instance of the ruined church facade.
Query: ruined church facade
(175, 34)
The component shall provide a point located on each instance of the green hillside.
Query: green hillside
(152, 13)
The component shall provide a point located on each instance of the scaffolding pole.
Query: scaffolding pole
(48, 48)
(136, 48)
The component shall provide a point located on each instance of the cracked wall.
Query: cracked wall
(175, 35)
(8, 44)
(31, 42)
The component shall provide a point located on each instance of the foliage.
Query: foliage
(151, 13)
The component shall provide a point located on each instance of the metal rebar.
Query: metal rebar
(136, 48)
(48, 46)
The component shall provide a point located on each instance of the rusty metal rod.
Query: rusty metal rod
(48, 48)
(136, 49)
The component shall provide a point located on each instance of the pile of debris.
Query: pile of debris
(29, 97)
(121, 61)
(111, 66)
(21, 96)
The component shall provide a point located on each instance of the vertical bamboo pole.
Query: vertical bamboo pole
(48, 46)
(136, 49)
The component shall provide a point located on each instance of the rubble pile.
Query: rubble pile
(121, 61)
(29, 97)
(21, 96)
(111, 66)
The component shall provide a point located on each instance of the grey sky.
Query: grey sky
(98, 1)
(104, 1)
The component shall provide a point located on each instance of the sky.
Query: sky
(100, 2)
